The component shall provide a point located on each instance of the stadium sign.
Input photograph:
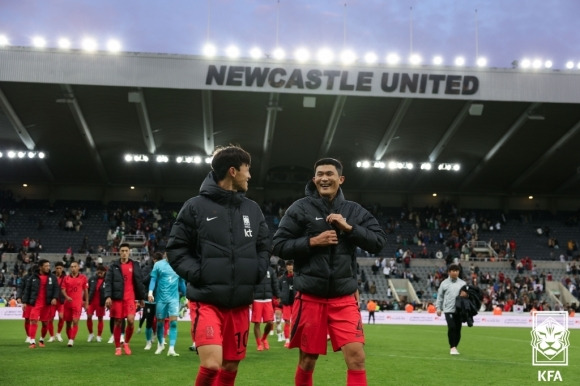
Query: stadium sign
(341, 80)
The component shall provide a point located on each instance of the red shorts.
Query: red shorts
(26, 311)
(262, 312)
(286, 312)
(228, 328)
(96, 309)
(40, 312)
(120, 309)
(72, 311)
(314, 317)
(58, 308)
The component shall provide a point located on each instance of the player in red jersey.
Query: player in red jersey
(124, 286)
(96, 303)
(59, 307)
(75, 291)
(41, 292)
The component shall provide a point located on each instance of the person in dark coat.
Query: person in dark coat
(322, 232)
(220, 244)
(468, 306)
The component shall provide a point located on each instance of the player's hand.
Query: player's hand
(151, 298)
(338, 221)
(142, 303)
(438, 313)
(324, 239)
(463, 294)
(108, 303)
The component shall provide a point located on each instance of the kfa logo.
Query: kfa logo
(247, 227)
(550, 338)
(549, 375)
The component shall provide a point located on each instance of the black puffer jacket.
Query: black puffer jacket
(287, 289)
(114, 285)
(268, 287)
(220, 244)
(32, 289)
(93, 281)
(326, 271)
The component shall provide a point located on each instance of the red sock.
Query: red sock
(265, 336)
(32, 330)
(90, 325)
(50, 328)
(226, 378)
(166, 329)
(129, 333)
(27, 326)
(286, 330)
(117, 335)
(356, 378)
(100, 325)
(60, 325)
(74, 330)
(205, 377)
(303, 377)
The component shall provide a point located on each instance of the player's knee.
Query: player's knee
(173, 324)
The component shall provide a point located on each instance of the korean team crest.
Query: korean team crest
(550, 338)
(247, 226)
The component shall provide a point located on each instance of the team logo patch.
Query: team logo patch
(247, 226)
(550, 339)
(209, 332)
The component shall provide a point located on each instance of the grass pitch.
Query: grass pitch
(396, 355)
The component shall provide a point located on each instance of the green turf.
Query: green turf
(396, 355)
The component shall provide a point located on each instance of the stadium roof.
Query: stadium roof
(513, 132)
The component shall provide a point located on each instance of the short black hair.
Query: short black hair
(41, 262)
(329, 161)
(453, 267)
(124, 245)
(224, 157)
(157, 256)
(59, 264)
(289, 262)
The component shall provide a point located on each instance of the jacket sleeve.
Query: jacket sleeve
(368, 234)
(138, 281)
(274, 283)
(290, 242)
(108, 283)
(182, 245)
(264, 247)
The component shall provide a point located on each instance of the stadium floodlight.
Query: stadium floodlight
(279, 53)
(31, 154)
(233, 52)
(11, 154)
(162, 158)
(21, 154)
(525, 63)
(197, 159)
(437, 60)
(179, 159)
(89, 44)
(114, 46)
(128, 158)
(64, 43)
(209, 50)
(578, 65)
(347, 57)
(1, 154)
(537, 63)
(548, 64)
(530, 197)
(393, 58)
(325, 55)
(415, 59)
(256, 53)
(379, 165)
(459, 61)
(455, 167)
(481, 62)
(39, 42)
(426, 166)
(208, 160)
(302, 55)
(371, 58)
(41, 155)
(4, 41)
(569, 65)
(434, 194)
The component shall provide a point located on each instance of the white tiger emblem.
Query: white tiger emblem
(550, 338)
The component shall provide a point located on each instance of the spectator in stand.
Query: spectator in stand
(371, 308)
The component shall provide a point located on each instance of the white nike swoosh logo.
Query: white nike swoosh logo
(319, 218)
(210, 218)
